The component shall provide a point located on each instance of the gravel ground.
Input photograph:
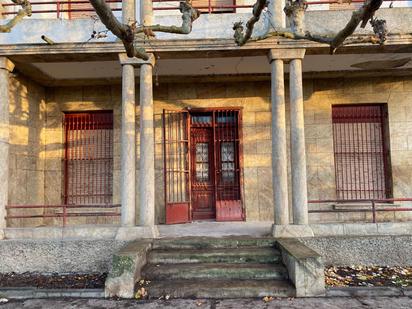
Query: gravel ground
(318, 303)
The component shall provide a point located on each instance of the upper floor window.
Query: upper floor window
(361, 147)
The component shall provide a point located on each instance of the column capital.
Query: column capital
(6, 64)
(286, 54)
(136, 62)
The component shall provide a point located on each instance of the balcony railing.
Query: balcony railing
(71, 9)
(59, 8)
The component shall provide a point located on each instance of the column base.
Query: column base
(292, 231)
(129, 233)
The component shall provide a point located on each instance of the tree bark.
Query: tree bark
(366, 12)
(23, 12)
(126, 33)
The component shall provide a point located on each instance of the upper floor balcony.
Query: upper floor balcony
(73, 21)
(75, 9)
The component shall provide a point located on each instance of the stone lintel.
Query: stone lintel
(286, 54)
(6, 64)
(136, 62)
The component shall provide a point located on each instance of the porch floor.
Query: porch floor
(216, 229)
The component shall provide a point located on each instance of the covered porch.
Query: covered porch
(286, 181)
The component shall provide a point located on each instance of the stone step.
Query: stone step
(214, 271)
(238, 255)
(210, 242)
(220, 288)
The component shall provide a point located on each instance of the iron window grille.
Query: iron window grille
(361, 151)
(88, 158)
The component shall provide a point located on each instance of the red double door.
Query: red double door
(202, 165)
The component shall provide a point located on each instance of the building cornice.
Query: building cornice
(66, 52)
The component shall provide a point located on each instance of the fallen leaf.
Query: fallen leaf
(267, 299)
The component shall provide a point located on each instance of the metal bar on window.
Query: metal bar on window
(88, 158)
(359, 150)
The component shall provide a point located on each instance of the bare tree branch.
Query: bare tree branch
(241, 38)
(126, 33)
(294, 10)
(189, 15)
(316, 38)
(122, 31)
(23, 12)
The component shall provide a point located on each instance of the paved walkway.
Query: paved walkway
(318, 303)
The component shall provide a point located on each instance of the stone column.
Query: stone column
(146, 12)
(128, 147)
(6, 66)
(279, 155)
(128, 11)
(277, 17)
(297, 140)
(128, 133)
(147, 168)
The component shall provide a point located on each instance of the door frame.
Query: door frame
(179, 207)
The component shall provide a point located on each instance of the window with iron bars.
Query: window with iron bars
(361, 150)
(88, 158)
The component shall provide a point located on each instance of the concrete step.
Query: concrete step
(238, 255)
(210, 242)
(220, 288)
(214, 271)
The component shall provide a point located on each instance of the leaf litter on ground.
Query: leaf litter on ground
(341, 276)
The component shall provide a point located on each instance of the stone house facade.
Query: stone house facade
(272, 143)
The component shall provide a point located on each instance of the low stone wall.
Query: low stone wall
(365, 250)
(61, 256)
(95, 255)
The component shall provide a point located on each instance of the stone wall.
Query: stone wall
(366, 250)
(27, 157)
(63, 256)
(320, 95)
(57, 256)
(70, 99)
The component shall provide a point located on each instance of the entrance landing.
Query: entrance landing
(216, 229)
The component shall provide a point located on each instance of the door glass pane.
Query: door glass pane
(202, 119)
(227, 152)
(202, 162)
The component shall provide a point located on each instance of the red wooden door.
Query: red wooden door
(202, 174)
(176, 166)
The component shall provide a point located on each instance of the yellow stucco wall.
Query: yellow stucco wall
(27, 144)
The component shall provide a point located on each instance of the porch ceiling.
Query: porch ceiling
(57, 73)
